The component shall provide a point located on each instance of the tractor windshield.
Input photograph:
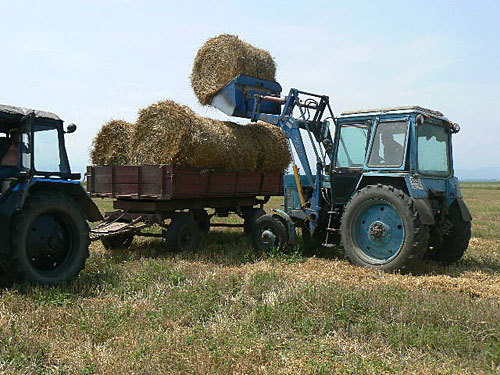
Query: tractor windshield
(433, 150)
(352, 146)
(46, 147)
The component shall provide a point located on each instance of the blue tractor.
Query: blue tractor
(381, 181)
(43, 207)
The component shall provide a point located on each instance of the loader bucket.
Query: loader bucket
(237, 98)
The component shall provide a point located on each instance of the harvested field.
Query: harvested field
(228, 310)
(171, 133)
(223, 58)
(111, 144)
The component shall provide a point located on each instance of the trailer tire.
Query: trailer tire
(203, 220)
(269, 233)
(50, 240)
(118, 242)
(381, 229)
(250, 216)
(183, 233)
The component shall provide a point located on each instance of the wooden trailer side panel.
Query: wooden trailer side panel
(164, 182)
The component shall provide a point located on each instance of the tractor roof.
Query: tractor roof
(10, 110)
(394, 110)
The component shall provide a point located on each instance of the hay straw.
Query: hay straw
(111, 145)
(222, 59)
(171, 133)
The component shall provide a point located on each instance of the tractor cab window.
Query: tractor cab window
(352, 146)
(389, 144)
(433, 150)
(46, 142)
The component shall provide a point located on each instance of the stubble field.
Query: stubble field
(226, 309)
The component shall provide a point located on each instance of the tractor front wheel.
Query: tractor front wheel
(269, 233)
(381, 229)
(250, 215)
(50, 240)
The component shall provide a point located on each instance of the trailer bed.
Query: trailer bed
(167, 182)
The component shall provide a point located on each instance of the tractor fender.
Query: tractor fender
(424, 210)
(8, 206)
(75, 190)
(283, 216)
(464, 210)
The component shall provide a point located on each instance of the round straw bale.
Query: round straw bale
(170, 133)
(160, 132)
(222, 59)
(274, 153)
(111, 144)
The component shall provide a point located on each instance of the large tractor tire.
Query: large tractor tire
(50, 240)
(269, 233)
(381, 229)
(455, 242)
(250, 216)
(183, 233)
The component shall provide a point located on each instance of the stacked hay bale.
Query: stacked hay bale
(111, 146)
(170, 133)
(223, 58)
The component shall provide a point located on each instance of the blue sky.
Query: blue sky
(90, 61)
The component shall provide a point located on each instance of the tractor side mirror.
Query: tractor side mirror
(71, 128)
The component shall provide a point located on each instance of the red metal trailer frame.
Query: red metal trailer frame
(150, 194)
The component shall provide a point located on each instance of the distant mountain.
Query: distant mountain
(478, 174)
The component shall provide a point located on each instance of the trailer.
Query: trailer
(177, 200)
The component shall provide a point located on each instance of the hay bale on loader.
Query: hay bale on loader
(222, 59)
(170, 133)
(111, 144)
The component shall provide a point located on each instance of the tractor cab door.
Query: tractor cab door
(351, 145)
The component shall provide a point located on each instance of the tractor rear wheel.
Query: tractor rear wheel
(455, 242)
(50, 240)
(381, 229)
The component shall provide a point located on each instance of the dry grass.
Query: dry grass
(111, 144)
(171, 133)
(226, 309)
(223, 58)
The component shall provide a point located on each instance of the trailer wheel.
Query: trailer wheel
(250, 215)
(203, 220)
(50, 240)
(269, 233)
(118, 242)
(183, 233)
(381, 229)
(455, 242)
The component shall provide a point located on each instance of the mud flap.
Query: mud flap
(464, 210)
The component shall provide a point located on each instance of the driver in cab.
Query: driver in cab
(9, 155)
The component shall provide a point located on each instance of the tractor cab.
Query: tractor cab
(410, 145)
(32, 144)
